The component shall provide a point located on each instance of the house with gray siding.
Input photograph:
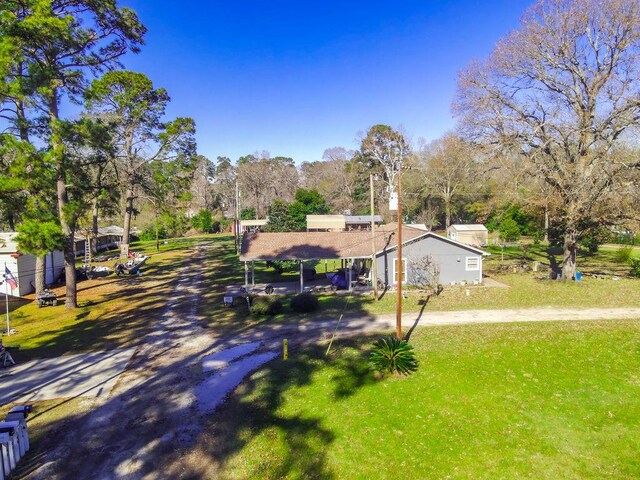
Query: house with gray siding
(458, 263)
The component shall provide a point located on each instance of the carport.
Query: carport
(348, 247)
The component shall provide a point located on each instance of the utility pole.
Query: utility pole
(374, 267)
(237, 219)
(399, 260)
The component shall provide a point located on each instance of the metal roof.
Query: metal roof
(469, 227)
(362, 218)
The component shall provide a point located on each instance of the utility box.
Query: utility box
(14, 439)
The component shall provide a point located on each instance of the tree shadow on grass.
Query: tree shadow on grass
(258, 410)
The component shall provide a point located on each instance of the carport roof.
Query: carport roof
(320, 245)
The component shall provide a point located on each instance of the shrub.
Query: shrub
(594, 238)
(392, 355)
(304, 303)
(265, 306)
(509, 230)
(202, 221)
(635, 267)
(149, 233)
(283, 265)
(624, 254)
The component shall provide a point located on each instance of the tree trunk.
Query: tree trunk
(94, 226)
(68, 228)
(40, 274)
(11, 219)
(546, 224)
(447, 214)
(569, 257)
(128, 213)
(157, 234)
(71, 297)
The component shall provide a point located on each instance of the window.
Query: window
(473, 263)
(395, 270)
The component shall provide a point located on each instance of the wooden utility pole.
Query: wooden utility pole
(399, 261)
(237, 220)
(374, 267)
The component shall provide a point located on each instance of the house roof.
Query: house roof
(419, 226)
(8, 243)
(320, 245)
(446, 240)
(102, 232)
(111, 230)
(469, 227)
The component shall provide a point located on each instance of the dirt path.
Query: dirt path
(300, 334)
(151, 412)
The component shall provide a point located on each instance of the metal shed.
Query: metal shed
(474, 234)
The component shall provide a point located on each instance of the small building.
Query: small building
(325, 223)
(108, 237)
(23, 266)
(361, 222)
(457, 263)
(256, 225)
(475, 234)
(340, 223)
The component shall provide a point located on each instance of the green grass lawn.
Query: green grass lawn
(606, 259)
(544, 401)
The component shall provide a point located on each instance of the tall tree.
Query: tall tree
(263, 179)
(387, 147)
(307, 202)
(224, 186)
(129, 101)
(59, 43)
(448, 167)
(562, 90)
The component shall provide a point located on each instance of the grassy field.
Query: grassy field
(544, 401)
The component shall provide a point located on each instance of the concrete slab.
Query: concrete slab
(213, 390)
(222, 358)
(86, 375)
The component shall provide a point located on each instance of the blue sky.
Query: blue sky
(295, 78)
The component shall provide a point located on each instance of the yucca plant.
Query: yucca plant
(392, 355)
